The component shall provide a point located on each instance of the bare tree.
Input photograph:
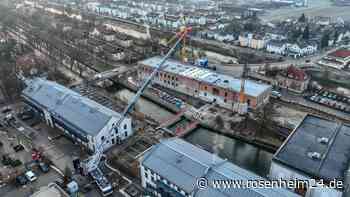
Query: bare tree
(67, 175)
(219, 122)
(8, 80)
(264, 118)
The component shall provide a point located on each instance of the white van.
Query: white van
(30, 176)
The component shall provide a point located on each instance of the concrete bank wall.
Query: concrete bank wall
(150, 96)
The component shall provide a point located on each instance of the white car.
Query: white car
(276, 94)
(30, 176)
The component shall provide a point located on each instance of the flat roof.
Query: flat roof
(201, 74)
(87, 115)
(306, 139)
(182, 164)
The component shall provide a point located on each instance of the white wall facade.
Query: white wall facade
(279, 171)
(150, 178)
(113, 137)
(281, 50)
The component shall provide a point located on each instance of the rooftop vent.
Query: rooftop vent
(93, 110)
(323, 140)
(314, 155)
(179, 159)
(59, 102)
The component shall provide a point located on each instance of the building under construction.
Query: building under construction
(206, 84)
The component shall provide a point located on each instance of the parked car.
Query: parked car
(21, 180)
(30, 176)
(44, 167)
(5, 110)
(18, 148)
(276, 94)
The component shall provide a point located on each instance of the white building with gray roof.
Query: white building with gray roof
(85, 121)
(173, 167)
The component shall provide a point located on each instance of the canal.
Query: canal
(245, 155)
(240, 153)
(145, 106)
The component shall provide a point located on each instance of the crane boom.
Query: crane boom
(92, 163)
(148, 80)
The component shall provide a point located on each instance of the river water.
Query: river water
(245, 155)
(145, 106)
(240, 153)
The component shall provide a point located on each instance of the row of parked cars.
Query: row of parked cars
(332, 100)
(29, 176)
(168, 98)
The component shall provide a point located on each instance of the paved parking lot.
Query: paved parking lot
(61, 151)
(299, 100)
(331, 100)
(10, 137)
(11, 190)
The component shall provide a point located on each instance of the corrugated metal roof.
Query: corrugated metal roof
(81, 112)
(201, 74)
(182, 164)
(335, 154)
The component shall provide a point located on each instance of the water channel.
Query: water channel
(145, 106)
(240, 153)
(245, 155)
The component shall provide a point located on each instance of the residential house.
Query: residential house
(172, 21)
(308, 48)
(276, 47)
(152, 18)
(338, 59)
(293, 79)
(301, 49)
(123, 40)
(276, 36)
(254, 41)
(108, 35)
(114, 53)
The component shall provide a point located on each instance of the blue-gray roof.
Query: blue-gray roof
(201, 74)
(182, 164)
(86, 115)
(306, 138)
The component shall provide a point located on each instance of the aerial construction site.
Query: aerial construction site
(166, 98)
